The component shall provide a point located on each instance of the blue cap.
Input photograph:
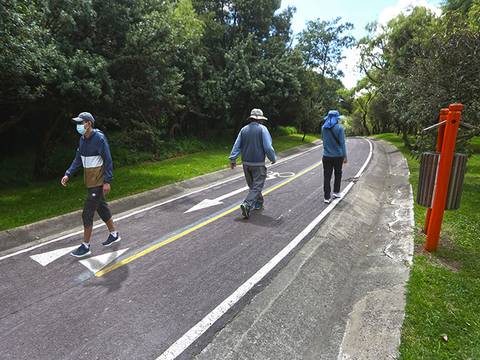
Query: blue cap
(83, 116)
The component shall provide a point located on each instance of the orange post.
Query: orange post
(443, 176)
(438, 148)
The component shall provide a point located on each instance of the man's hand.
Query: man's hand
(106, 188)
(233, 165)
(64, 180)
(345, 160)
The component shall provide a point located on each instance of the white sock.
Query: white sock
(114, 233)
(86, 244)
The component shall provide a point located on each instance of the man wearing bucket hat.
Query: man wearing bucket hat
(253, 143)
(93, 154)
(334, 154)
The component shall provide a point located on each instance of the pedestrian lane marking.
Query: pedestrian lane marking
(145, 209)
(158, 245)
(206, 203)
(273, 174)
(48, 257)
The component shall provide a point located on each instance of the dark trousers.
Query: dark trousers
(331, 164)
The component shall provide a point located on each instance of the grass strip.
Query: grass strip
(443, 293)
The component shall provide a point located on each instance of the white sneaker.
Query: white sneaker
(336, 195)
(327, 201)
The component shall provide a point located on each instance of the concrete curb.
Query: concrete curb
(342, 295)
(45, 230)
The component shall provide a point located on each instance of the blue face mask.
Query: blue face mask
(81, 129)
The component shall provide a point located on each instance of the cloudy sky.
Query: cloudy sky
(356, 12)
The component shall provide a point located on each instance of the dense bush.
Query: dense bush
(285, 130)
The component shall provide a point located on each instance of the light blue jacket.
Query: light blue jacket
(330, 146)
(253, 142)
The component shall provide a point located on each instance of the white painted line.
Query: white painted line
(203, 325)
(153, 206)
(217, 201)
(97, 263)
(45, 243)
(362, 169)
(46, 258)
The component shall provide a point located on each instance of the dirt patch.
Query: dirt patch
(446, 246)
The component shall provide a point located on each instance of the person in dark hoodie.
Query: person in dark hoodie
(253, 142)
(93, 154)
(334, 154)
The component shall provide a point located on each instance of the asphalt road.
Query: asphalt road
(173, 267)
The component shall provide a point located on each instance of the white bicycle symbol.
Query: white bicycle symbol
(272, 175)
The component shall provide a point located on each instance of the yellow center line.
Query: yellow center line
(148, 250)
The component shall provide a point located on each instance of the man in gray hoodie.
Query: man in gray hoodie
(253, 143)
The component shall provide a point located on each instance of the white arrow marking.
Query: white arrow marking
(50, 256)
(207, 202)
(97, 263)
(204, 204)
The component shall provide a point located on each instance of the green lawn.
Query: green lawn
(444, 288)
(37, 201)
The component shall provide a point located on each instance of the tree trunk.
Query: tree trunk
(40, 170)
(4, 127)
(364, 123)
(239, 121)
(175, 129)
(405, 139)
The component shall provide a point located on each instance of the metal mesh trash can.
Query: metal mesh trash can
(427, 178)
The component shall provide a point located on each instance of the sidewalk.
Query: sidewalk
(342, 296)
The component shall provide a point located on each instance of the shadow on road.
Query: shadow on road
(113, 280)
(260, 219)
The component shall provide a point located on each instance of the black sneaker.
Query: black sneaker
(111, 239)
(81, 251)
(245, 211)
(327, 201)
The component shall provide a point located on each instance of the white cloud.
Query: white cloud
(351, 73)
(404, 7)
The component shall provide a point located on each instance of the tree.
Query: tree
(420, 63)
(150, 70)
(322, 45)
(22, 72)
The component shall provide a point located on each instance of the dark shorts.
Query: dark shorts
(95, 202)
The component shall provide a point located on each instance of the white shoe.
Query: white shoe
(337, 195)
(327, 201)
